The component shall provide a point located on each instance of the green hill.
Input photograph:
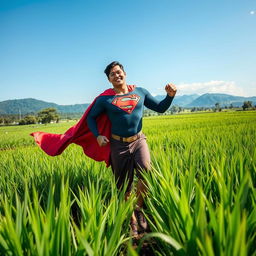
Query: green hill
(209, 100)
(25, 106)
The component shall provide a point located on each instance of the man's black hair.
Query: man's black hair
(111, 65)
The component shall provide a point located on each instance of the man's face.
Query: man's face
(117, 76)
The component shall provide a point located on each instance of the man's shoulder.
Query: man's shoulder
(141, 90)
(103, 98)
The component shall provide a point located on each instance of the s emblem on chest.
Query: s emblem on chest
(126, 103)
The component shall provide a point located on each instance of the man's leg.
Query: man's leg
(141, 190)
(123, 170)
(121, 165)
(142, 163)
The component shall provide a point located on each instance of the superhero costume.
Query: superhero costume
(125, 111)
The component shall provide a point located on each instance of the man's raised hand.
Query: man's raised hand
(171, 89)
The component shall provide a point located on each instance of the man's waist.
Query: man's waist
(127, 139)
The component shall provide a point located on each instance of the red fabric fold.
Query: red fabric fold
(54, 144)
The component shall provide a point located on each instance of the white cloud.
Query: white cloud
(252, 12)
(227, 87)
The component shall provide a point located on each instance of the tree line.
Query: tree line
(49, 115)
(44, 116)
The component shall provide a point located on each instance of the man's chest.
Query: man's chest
(125, 103)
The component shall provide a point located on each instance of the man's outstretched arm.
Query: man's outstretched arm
(161, 106)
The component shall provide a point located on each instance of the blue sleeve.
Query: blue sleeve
(158, 106)
(95, 111)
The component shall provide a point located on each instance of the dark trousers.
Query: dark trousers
(128, 158)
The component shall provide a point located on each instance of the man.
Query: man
(128, 147)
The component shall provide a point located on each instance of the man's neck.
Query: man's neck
(123, 89)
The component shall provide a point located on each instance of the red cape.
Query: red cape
(80, 134)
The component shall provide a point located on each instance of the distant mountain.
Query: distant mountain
(182, 100)
(25, 106)
(30, 105)
(210, 99)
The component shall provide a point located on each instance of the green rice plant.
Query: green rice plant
(201, 197)
(28, 229)
(200, 191)
(103, 226)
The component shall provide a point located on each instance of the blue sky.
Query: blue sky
(57, 50)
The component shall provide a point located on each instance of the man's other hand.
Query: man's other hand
(102, 140)
(171, 89)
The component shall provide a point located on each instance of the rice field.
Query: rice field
(201, 197)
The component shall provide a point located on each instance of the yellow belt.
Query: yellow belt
(126, 139)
